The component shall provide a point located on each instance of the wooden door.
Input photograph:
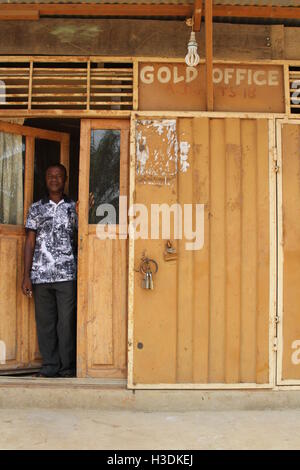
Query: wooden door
(206, 322)
(102, 263)
(18, 340)
(288, 134)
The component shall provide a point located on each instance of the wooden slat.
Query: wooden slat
(158, 10)
(106, 79)
(263, 257)
(30, 85)
(185, 281)
(30, 131)
(217, 252)
(55, 95)
(119, 294)
(88, 85)
(209, 54)
(114, 10)
(14, 103)
(112, 94)
(233, 211)
(59, 78)
(21, 15)
(249, 252)
(83, 254)
(201, 195)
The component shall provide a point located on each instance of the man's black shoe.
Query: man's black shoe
(66, 375)
(40, 374)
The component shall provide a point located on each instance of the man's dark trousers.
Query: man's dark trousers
(55, 313)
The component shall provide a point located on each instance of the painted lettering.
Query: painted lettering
(164, 75)
(257, 74)
(296, 354)
(217, 75)
(240, 75)
(147, 75)
(191, 74)
(296, 93)
(177, 78)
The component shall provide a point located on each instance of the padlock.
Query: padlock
(145, 281)
(151, 286)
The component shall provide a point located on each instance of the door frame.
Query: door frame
(25, 331)
(85, 230)
(272, 246)
(295, 384)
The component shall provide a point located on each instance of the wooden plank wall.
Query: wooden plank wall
(207, 319)
(144, 38)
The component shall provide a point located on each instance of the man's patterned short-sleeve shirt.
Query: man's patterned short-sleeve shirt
(55, 225)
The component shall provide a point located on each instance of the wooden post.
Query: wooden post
(197, 15)
(209, 54)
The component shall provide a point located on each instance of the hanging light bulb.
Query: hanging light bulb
(192, 58)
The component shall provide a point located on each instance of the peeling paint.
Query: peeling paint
(184, 151)
(159, 154)
(142, 153)
(70, 33)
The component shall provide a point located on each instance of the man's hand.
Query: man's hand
(27, 287)
(91, 202)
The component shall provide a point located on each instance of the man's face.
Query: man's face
(55, 179)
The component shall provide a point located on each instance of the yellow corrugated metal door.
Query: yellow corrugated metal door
(207, 319)
(289, 253)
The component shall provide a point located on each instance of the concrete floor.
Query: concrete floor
(38, 428)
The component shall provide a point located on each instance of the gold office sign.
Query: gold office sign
(237, 87)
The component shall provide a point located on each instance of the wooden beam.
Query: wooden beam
(257, 12)
(24, 15)
(128, 10)
(209, 53)
(163, 10)
(197, 15)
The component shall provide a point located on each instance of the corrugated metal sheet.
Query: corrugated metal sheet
(206, 321)
(289, 305)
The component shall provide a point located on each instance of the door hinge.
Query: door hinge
(276, 167)
(275, 343)
(277, 319)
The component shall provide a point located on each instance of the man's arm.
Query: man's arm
(28, 256)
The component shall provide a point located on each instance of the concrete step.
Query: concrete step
(113, 395)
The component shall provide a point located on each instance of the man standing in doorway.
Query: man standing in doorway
(50, 274)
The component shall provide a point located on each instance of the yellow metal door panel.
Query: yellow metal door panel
(289, 251)
(207, 319)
